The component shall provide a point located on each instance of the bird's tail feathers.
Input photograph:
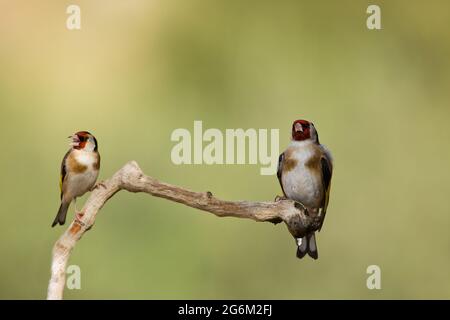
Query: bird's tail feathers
(61, 215)
(307, 245)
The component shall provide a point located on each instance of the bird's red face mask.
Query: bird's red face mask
(79, 140)
(301, 130)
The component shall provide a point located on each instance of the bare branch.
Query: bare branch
(131, 178)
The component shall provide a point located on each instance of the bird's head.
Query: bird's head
(304, 130)
(83, 140)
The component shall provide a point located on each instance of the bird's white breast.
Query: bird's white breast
(303, 181)
(85, 158)
(81, 182)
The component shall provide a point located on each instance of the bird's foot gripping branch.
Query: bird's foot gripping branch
(131, 178)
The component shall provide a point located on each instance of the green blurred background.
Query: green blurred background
(137, 70)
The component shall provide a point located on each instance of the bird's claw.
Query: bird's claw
(79, 215)
(98, 184)
(301, 206)
(279, 198)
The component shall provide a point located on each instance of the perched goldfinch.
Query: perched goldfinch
(79, 171)
(304, 173)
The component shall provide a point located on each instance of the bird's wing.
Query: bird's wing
(280, 171)
(63, 172)
(326, 164)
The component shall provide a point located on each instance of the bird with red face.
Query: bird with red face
(304, 173)
(79, 171)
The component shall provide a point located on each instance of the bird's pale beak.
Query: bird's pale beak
(298, 127)
(75, 140)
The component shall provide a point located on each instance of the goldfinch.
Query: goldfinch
(304, 172)
(79, 171)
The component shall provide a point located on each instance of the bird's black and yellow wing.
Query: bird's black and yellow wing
(327, 171)
(280, 171)
(63, 172)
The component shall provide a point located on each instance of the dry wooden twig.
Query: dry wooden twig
(131, 178)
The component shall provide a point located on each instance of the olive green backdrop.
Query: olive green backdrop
(137, 70)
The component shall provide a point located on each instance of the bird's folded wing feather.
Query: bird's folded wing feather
(63, 172)
(326, 164)
(280, 171)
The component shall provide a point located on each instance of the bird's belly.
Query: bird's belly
(303, 185)
(80, 183)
